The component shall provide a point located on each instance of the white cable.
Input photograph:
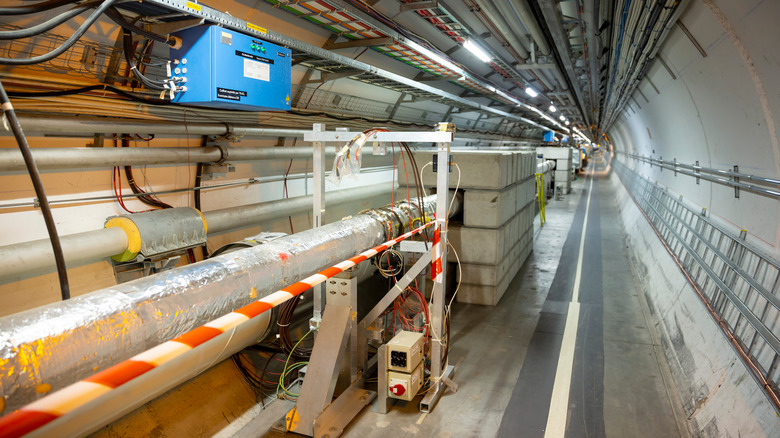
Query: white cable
(425, 194)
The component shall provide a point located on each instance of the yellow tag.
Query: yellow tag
(257, 28)
(287, 98)
(253, 293)
(193, 6)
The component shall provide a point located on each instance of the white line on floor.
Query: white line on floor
(559, 402)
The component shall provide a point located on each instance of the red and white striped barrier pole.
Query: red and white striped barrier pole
(58, 404)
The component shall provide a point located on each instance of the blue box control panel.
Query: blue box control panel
(227, 69)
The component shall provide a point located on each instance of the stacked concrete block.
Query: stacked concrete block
(496, 236)
(563, 165)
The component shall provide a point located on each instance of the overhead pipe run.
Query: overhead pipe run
(103, 125)
(63, 342)
(497, 17)
(29, 259)
(97, 157)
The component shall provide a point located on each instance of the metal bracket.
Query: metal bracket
(337, 415)
(736, 180)
(323, 371)
(214, 171)
(418, 5)
(97, 141)
(175, 26)
(696, 171)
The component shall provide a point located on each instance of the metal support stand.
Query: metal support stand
(339, 358)
(438, 371)
(318, 213)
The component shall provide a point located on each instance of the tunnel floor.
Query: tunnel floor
(506, 357)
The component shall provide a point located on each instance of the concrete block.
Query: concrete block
(554, 152)
(489, 208)
(529, 164)
(487, 294)
(562, 176)
(479, 169)
(484, 245)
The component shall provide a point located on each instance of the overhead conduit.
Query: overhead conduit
(92, 157)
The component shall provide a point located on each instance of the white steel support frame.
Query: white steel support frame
(439, 372)
(318, 212)
(315, 414)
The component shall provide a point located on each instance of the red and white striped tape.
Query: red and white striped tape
(57, 404)
(436, 253)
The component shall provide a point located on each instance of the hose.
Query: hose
(46, 25)
(119, 19)
(35, 176)
(67, 44)
(38, 7)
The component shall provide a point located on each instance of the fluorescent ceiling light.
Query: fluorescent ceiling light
(477, 51)
(567, 123)
(552, 108)
(561, 117)
(531, 92)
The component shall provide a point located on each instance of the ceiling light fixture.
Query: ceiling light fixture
(476, 50)
(562, 118)
(531, 92)
(552, 108)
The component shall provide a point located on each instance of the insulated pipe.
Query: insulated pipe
(63, 342)
(104, 125)
(545, 166)
(29, 259)
(78, 158)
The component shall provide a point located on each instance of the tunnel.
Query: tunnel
(375, 218)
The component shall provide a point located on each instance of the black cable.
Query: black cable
(46, 25)
(196, 194)
(224, 248)
(67, 44)
(119, 19)
(146, 199)
(51, 227)
(38, 7)
(86, 89)
(127, 42)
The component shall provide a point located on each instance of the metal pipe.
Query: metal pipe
(30, 259)
(528, 21)
(90, 157)
(726, 173)
(103, 125)
(67, 341)
(228, 219)
(498, 20)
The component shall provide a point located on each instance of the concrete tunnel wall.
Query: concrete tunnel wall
(719, 110)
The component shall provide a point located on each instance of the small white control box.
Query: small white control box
(404, 386)
(405, 351)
